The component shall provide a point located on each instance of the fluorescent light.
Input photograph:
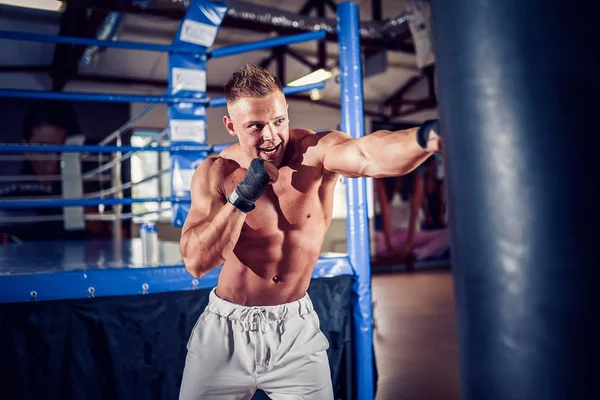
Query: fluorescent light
(317, 76)
(48, 5)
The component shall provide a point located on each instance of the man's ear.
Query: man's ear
(229, 125)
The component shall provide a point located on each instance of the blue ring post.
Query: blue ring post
(357, 224)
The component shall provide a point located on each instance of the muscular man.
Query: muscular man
(262, 209)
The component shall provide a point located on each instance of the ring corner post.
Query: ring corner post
(357, 223)
(187, 78)
(518, 88)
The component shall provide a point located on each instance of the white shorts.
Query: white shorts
(234, 350)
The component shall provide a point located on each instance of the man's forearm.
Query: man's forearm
(204, 247)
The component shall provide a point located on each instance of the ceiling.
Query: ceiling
(146, 72)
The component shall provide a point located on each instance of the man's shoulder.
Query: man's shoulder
(322, 139)
(218, 166)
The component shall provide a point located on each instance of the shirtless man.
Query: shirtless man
(261, 209)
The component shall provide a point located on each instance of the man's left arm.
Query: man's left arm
(382, 153)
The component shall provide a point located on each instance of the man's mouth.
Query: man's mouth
(270, 150)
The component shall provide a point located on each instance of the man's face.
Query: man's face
(261, 125)
(49, 135)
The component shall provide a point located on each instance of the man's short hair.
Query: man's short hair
(251, 81)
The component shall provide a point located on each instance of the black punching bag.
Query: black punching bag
(518, 88)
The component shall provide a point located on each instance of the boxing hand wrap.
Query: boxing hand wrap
(432, 125)
(251, 187)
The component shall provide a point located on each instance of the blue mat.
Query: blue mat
(56, 270)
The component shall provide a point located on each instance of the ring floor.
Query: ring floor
(415, 336)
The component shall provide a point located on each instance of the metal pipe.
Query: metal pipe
(108, 32)
(266, 44)
(116, 183)
(277, 18)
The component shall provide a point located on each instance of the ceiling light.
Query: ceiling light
(317, 76)
(48, 5)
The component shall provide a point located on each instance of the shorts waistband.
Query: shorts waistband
(235, 311)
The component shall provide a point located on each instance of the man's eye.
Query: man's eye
(279, 121)
(257, 127)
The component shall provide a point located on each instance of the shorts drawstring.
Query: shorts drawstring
(256, 319)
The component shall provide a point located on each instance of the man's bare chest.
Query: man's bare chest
(292, 203)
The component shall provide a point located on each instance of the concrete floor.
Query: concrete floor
(415, 336)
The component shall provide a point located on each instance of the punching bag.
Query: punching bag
(518, 89)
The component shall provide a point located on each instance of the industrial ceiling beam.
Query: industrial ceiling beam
(392, 35)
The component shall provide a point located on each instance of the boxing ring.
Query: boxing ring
(90, 319)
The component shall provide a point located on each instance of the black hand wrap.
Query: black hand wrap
(251, 187)
(426, 129)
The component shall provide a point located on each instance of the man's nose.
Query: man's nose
(269, 133)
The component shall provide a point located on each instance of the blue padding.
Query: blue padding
(108, 98)
(200, 25)
(43, 38)
(66, 270)
(266, 44)
(86, 202)
(187, 77)
(220, 101)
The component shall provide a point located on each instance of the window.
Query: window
(145, 165)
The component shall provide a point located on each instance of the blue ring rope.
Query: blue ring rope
(135, 98)
(42, 148)
(44, 38)
(142, 46)
(115, 98)
(5, 204)
(266, 44)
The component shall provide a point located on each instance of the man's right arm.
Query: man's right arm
(213, 225)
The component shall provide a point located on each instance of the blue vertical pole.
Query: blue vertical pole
(357, 223)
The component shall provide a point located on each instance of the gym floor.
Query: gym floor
(415, 336)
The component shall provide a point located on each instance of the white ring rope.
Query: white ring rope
(124, 186)
(126, 156)
(120, 131)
